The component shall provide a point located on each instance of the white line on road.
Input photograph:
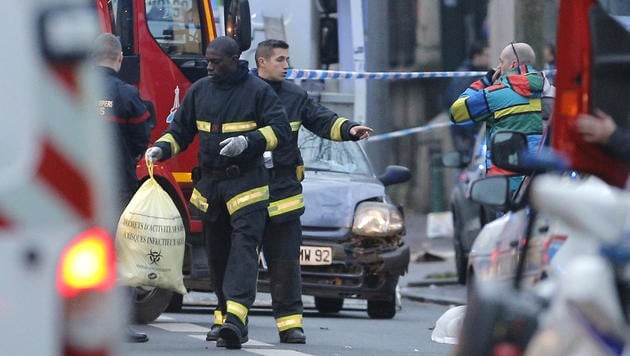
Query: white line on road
(275, 352)
(251, 342)
(182, 328)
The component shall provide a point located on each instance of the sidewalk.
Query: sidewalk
(431, 276)
(420, 284)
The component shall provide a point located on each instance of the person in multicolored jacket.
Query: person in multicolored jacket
(508, 97)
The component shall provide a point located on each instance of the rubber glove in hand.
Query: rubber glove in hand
(153, 154)
(233, 146)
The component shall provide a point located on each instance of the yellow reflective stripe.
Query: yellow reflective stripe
(270, 137)
(244, 126)
(289, 322)
(246, 198)
(199, 201)
(335, 130)
(295, 125)
(535, 105)
(286, 205)
(182, 177)
(219, 319)
(168, 138)
(299, 173)
(237, 309)
(208, 15)
(204, 126)
(459, 110)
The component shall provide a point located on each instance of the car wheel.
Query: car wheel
(471, 292)
(149, 303)
(175, 305)
(328, 305)
(461, 261)
(381, 309)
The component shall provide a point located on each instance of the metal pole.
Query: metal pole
(378, 105)
(529, 26)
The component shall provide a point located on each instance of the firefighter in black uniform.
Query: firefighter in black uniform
(283, 233)
(237, 117)
(122, 106)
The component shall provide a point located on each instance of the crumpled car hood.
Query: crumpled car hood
(330, 198)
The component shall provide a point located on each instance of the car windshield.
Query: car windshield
(325, 155)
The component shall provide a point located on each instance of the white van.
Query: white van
(57, 210)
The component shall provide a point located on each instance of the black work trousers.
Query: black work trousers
(232, 247)
(281, 247)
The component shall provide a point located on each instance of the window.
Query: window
(175, 25)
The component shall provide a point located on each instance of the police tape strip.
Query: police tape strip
(336, 74)
(406, 132)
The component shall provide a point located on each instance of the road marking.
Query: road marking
(181, 327)
(275, 352)
(200, 334)
(251, 342)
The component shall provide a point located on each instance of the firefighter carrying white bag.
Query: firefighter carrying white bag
(150, 239)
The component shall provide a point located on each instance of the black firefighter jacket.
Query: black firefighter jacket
(122, 106)
(286, 200)
(241, 105)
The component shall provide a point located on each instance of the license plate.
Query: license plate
(313, 255)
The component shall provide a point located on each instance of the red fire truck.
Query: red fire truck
(593, 42)
(164, 45)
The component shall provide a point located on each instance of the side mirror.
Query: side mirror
(455, 160)
(395, 175)
(238, 22)
(492, 190)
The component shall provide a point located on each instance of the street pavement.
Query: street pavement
(431, 276)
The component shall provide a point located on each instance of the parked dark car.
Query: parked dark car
(353, 244)
(468, 216)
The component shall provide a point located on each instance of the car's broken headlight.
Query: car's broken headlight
(377, 219)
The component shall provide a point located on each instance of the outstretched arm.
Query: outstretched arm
(360, 132)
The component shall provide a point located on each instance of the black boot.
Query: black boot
(213, 334)
(293, 336)
(233, 333)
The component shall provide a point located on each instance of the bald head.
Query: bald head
(521, 52)
(225, 46)
(222, 55)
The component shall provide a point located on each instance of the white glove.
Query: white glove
(233, 146)
(153, 154)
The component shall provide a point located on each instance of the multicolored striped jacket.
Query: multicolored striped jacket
(513, 104)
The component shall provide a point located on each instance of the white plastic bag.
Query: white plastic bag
(449, 325)
(150, 239)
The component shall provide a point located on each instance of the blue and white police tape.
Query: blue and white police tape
(337, 74)
(406, 132)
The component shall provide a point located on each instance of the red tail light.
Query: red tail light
(87, 263)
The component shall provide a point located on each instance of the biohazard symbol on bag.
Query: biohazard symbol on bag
(150, 239)
(154, 257)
